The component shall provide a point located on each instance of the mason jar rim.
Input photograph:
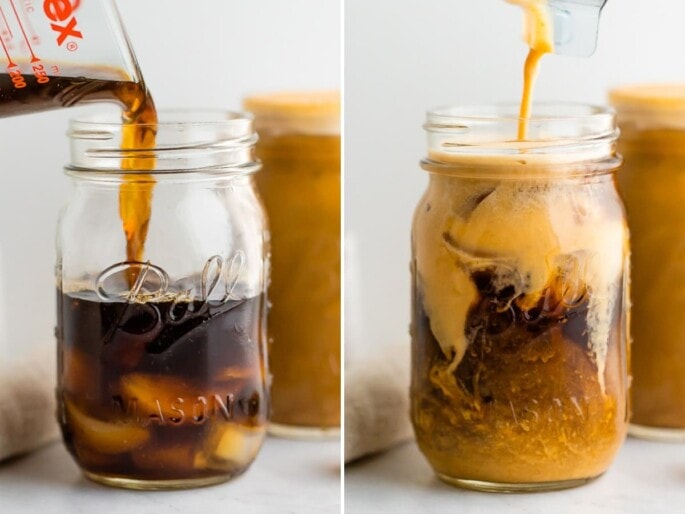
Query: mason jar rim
(564, 138)
(447, 116)
(650, 106)
(167, 117)
(303, 112)
(186, 141)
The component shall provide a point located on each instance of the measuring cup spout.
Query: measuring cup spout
(58, 53)
(576, 26)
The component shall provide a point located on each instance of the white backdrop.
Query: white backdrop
(405, 57)
(235, 46)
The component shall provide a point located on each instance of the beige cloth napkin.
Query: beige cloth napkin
(377, 403)
(27, 403)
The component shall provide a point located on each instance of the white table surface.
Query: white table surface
(646, 478)
(287, 477)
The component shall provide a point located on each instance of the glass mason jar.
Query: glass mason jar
(519, 327)
(299, 147)
(652, 184)
(162, 379)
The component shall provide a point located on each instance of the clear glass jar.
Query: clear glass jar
(519, 322)
(162, 379)
(299, 147)
(652, 184)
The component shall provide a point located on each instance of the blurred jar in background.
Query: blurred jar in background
(652, 182)
(300, 183)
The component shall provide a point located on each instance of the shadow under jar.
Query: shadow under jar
(520, 275)
(652, 184)
(162, 379)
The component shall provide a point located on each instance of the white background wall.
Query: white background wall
(403, 57)
(193, 54)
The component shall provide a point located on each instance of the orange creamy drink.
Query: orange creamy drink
(300, 184)
(652, 120)
(520, 284)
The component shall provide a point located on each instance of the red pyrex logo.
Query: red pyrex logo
(61, 12)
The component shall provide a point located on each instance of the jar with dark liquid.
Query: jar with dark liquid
(519, 321)
(162, 374)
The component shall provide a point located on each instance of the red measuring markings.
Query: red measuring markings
(10, 63)
(21, 26)
(7, 25)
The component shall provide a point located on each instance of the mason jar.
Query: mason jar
(520, 287)
(652, 184)
(299, 148)
(162, 375)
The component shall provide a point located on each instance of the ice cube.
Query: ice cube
(104, 437)
(238, 444)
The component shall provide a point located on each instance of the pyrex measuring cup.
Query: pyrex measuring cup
(57, 53)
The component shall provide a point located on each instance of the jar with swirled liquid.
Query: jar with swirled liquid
(520, 283)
